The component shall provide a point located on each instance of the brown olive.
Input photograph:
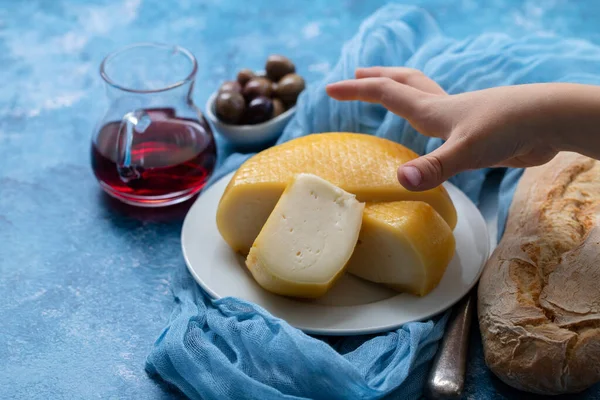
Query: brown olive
(278, 66)
(257, 87)
(259, 110)
(230, 107)
(261, 74)
(244, 76)
(230, 86)
(278, 107)
(289, 87)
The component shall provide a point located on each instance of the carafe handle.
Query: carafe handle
(133, 122)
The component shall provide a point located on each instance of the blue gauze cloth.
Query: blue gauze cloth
(230, 349)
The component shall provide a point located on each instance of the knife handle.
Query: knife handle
(447, 375)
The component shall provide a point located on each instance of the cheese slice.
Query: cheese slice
(405, 245)
(307, 240)
(363, 165)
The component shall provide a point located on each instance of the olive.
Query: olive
(230, 107)
(278, 66)
(289, 87)
(261, 74)
(244, 76)
(230, 86)
(257, 87)
(260, 109)
(278, 107)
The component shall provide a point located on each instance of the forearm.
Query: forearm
(574, 118)
(563, 116)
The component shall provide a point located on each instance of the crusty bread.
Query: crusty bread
(539, 295)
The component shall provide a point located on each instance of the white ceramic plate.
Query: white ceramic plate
(352, 306)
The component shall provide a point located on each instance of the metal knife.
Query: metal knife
(447, 375)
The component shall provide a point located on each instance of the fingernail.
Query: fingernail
(412, 175)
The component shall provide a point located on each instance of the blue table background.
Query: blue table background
(84, 280)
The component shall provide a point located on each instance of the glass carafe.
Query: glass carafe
(153, 147)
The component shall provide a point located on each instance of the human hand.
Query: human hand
(505, 126)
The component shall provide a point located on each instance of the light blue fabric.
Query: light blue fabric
(231, 349)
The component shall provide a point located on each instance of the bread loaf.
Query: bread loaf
(539, 295)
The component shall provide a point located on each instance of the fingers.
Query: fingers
(433, 169)
(400, 99)
(406, 76)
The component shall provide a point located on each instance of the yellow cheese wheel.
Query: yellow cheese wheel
(363, 165)
(405, 245)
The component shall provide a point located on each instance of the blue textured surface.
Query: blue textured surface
(84, 281)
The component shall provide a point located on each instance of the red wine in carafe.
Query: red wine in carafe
(172, 155)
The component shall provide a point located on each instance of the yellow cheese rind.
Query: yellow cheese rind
(363, 165)
(405, 245)
(306, 243)
(283, 287)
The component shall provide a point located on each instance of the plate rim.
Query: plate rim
(379, 328)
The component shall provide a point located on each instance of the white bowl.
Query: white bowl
(248, 135)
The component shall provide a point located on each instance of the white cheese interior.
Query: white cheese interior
(312, 231)
(396, 263)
